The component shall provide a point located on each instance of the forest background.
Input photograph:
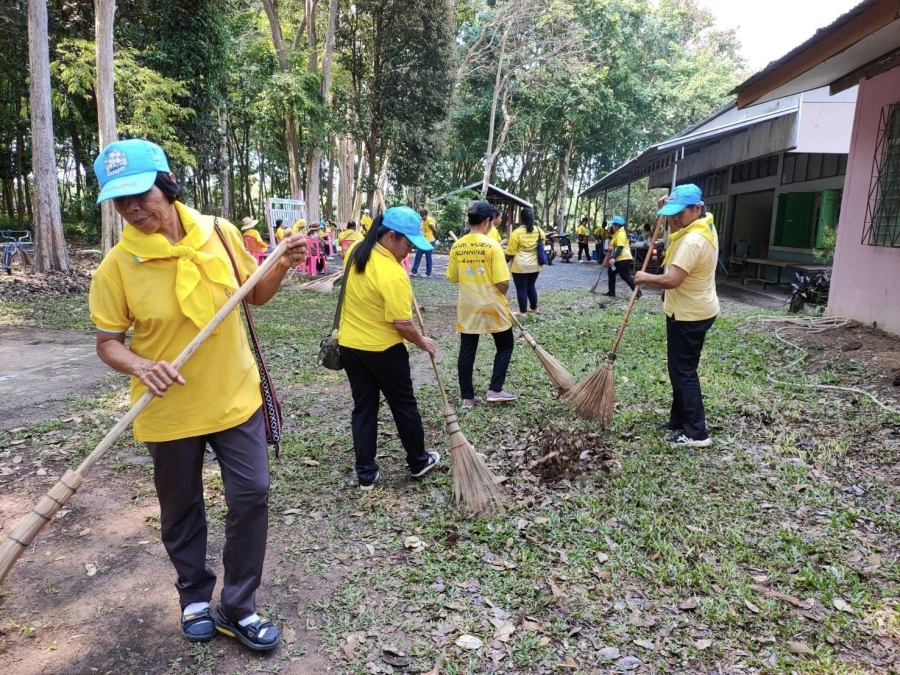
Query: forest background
(334, 99)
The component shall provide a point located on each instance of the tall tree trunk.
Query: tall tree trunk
(563, 185)
(345, 156)
(224, 165)
(50, 245)
(104, 22)
(329, 182)
(362, 170)
(489, 155)
(293, 151)
(77, 154)
(20, 175)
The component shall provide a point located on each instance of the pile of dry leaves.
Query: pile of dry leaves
(26, 287)
(565, 451)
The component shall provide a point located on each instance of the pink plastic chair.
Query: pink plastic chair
(406, 266)
(313, 255)
(253, 247)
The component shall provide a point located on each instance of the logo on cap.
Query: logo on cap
(115, 162)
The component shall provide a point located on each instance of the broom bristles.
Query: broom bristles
(556, 371)
(596, 282)
(474, 486)
(594, 397)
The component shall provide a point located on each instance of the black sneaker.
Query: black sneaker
(368, 487)
(433, 458)
(680, 440)
(610, 295)
(198, 627)
(260, 635)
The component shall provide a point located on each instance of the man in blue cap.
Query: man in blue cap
(691, 306)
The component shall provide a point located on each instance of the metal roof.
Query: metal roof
(724, 121)
(495, 195)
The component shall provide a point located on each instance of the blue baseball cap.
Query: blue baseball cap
(618, 220)
(680, 198)
(405, 221)
(126, 168)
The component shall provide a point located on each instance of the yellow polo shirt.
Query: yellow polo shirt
(696, 298)
(222, 382)
(620, 238)
(364, 223)
(582, 233)
(494, 234)
(373, 301)
(477, 263)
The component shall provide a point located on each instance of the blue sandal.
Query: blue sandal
(198, 627)
(260, 635)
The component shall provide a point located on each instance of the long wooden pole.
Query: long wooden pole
(27, 531)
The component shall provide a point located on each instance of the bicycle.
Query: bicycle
(16, 251)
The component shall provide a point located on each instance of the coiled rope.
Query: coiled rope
(812, 324)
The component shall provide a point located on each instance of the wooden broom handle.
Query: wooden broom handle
(437, 374)
(637, 287)
(28, 530)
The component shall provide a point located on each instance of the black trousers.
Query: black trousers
(684, 342)
(178, 474)
(584, 246)
(526, 292)
(623, 269)
(468, 345)
(370, 375)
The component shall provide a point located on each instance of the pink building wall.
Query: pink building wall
(865, 283)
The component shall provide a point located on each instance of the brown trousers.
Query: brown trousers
(177, 472)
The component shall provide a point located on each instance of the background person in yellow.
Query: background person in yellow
(430, 232)
(299, 226)
(599, 236)
(348, 237)
(496, 222)
(365, 222)
(622, 261)
(279, 230)
(166, 279)
(582, 234)
(249, 230)
(478, 265)
(691, 305)
(375, 320)
(525, 268)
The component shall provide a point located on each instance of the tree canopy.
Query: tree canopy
(545, 96)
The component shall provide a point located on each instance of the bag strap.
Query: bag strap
(340, 305)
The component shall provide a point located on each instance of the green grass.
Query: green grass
(665, 550)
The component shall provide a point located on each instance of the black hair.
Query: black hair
(477, 219)
(528, 219)
(363, 250)
(423, 212)
(584, 220)
(278, 222)
(351, 225)
(167, 185)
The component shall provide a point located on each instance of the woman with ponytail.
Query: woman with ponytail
(522, 248)
(376, 319)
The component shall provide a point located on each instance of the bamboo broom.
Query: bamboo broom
(556, 371)
(474, 485)
(594, 397)
(27, 531)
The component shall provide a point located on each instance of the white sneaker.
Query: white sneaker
(683, 441)
(370, 486)
(435, 457)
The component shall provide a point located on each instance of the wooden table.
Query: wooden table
(760, 263)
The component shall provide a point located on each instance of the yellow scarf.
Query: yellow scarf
(191, 288)
(702, 226)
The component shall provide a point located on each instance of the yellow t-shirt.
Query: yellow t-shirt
(299, 226)
(494, 234)
(279, 233)
(427, 232)
(523, 247)
(695, 299)
(222, 382)
(582, 233)
(253, 232)
(373, 301)
(477, 263)
(600, 233)
(364, 223)
(620, 238)
(347, 233)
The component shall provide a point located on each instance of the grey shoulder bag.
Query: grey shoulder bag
(329, 349)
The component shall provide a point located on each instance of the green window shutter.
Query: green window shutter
(795, 221)
(829, 210)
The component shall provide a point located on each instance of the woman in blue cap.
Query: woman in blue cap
(622, 262)
(376, 319)
(691, 305)
(165, 280)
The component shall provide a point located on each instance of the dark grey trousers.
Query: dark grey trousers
(177, 472)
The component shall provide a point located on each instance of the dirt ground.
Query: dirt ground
(60, 597)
